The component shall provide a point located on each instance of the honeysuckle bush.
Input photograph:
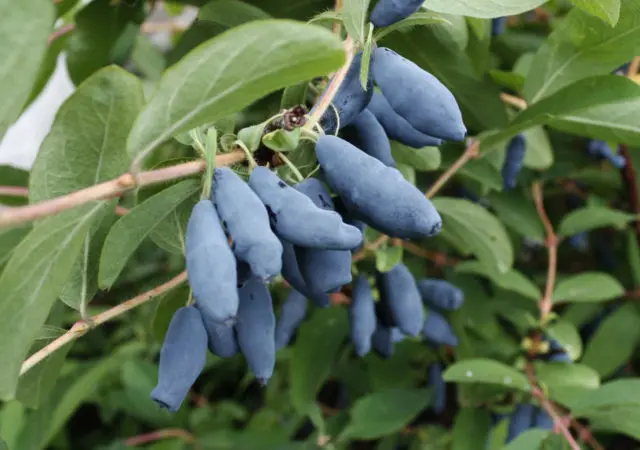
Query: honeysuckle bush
(543, 243)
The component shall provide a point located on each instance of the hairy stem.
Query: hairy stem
(83, 327)
(14, 191)
(514, 101)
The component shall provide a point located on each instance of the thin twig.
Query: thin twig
(121, 210)
(57, 34)
(14, 191)
(585, 434)
(439, 259)
(512, 100)
(109, 189)
(470, 153)
(546, 302)
(634, 67)
(160, 435)
(83, 327)
(337, 27)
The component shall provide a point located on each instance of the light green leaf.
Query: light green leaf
(282, 140)
(294, 95)
(354, 17)
(414, 20)
(230, 13)
(131, 229)
(385, 412)
(422, 159)
(169, 234)
(388, 257)
(517, 212)
(213, 80)
(607, 10)
(567, 336)
(484, 234)
(471, 425)
(12, 419)
(86, 144)
(408, 172)
(582, 47)
(614, 342)
(252, 136)
(314, 352)
(510, 80)
(624, 392)
(539, 154)
(24, 28)
(487, 371)
(482, 9)
(365, 61)
(33, 279)
(531, 439)
(567, 382)
(9, 240)
(591, 217)
(587, 287)
(512, 280)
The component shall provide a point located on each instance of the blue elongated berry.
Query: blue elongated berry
(368, 135)
(246, 219)
(382, 341)
(388, 12)
(397, 127)
(542, 419)
(439, 388)
(399, 292)
(513, 161)
(440, 294)
(397, 335)
(297, 219)
(362, 316)
(291, 273)
(349, 101)
(322, 270)
(437, 330)
(601, 149)
(211, 265)
(498, 25)
(351, 219)
(221, 338)
(291, 316)
(380, 195)
(417, 96)
(182, 358)
(256, 329)
(521, 421)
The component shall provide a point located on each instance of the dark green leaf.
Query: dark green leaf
(486, 371)
(281, 140)
(529, 440)
(414, 20)
(422, 159)
(587, 287)
(471, 426)
(608, 10)
(591, 217)
(485, 9)
(230, 13)
(512, 280)
(608, 396)
(518, 213)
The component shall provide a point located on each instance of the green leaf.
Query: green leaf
(482, 9)
(294, 95)
(517, 212)
(624, 392)
(230, 13)
(385, 412)
(486, 371)
(213, 81)
(33, 279)
(388, 257)
(354, 17)
(539, 154)
(614, 342)
(282, 140)
(9, 240)
(414, 20)
(567, 336)
(633, 256)
(252, 136)
(314, 352)
(86, 144)
(607, 10)
(512, 280)
(12, 419)
(591, 217)
(167, 306)
(587, 287)
(567, 382)
(365, 61)
(169, 234)
(471, 425)
(422, 159)
(484, 234)
(531, 439)
(131, 229)
(582, 47)
(98, 27)
(24, 28)
(510, 80)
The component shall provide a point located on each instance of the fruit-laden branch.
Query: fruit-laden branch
(545, 303)
(83, 327)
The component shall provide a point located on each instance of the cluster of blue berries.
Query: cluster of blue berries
(248, 233)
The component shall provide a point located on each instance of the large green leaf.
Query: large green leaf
(385, 412)
(482, 8)
(566, 382)
(517, 212)
(24, 28)
(33, 279)
(512, 280)
(98, 26)
(582, 47)
(608, 10)
(354, 17)
(587, 287)
(472, 425)
(230, 13)
(590, 217)
(610, 395)
(314, 353)
(86, 144)
(487, 371)
(423, 159)
(129, 232)
(531, 439)
(566, 334)
(484, 235)
(227, 73)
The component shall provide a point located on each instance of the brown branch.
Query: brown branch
(630, 181)
(121, 210)
(83, 327)
(14, 191)
(337, 28)
(439, 259)
(512, 100)
(585, 434)
(546, 302)
(109, 189)
(56, 34)
(634, 67)
(160, 435)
